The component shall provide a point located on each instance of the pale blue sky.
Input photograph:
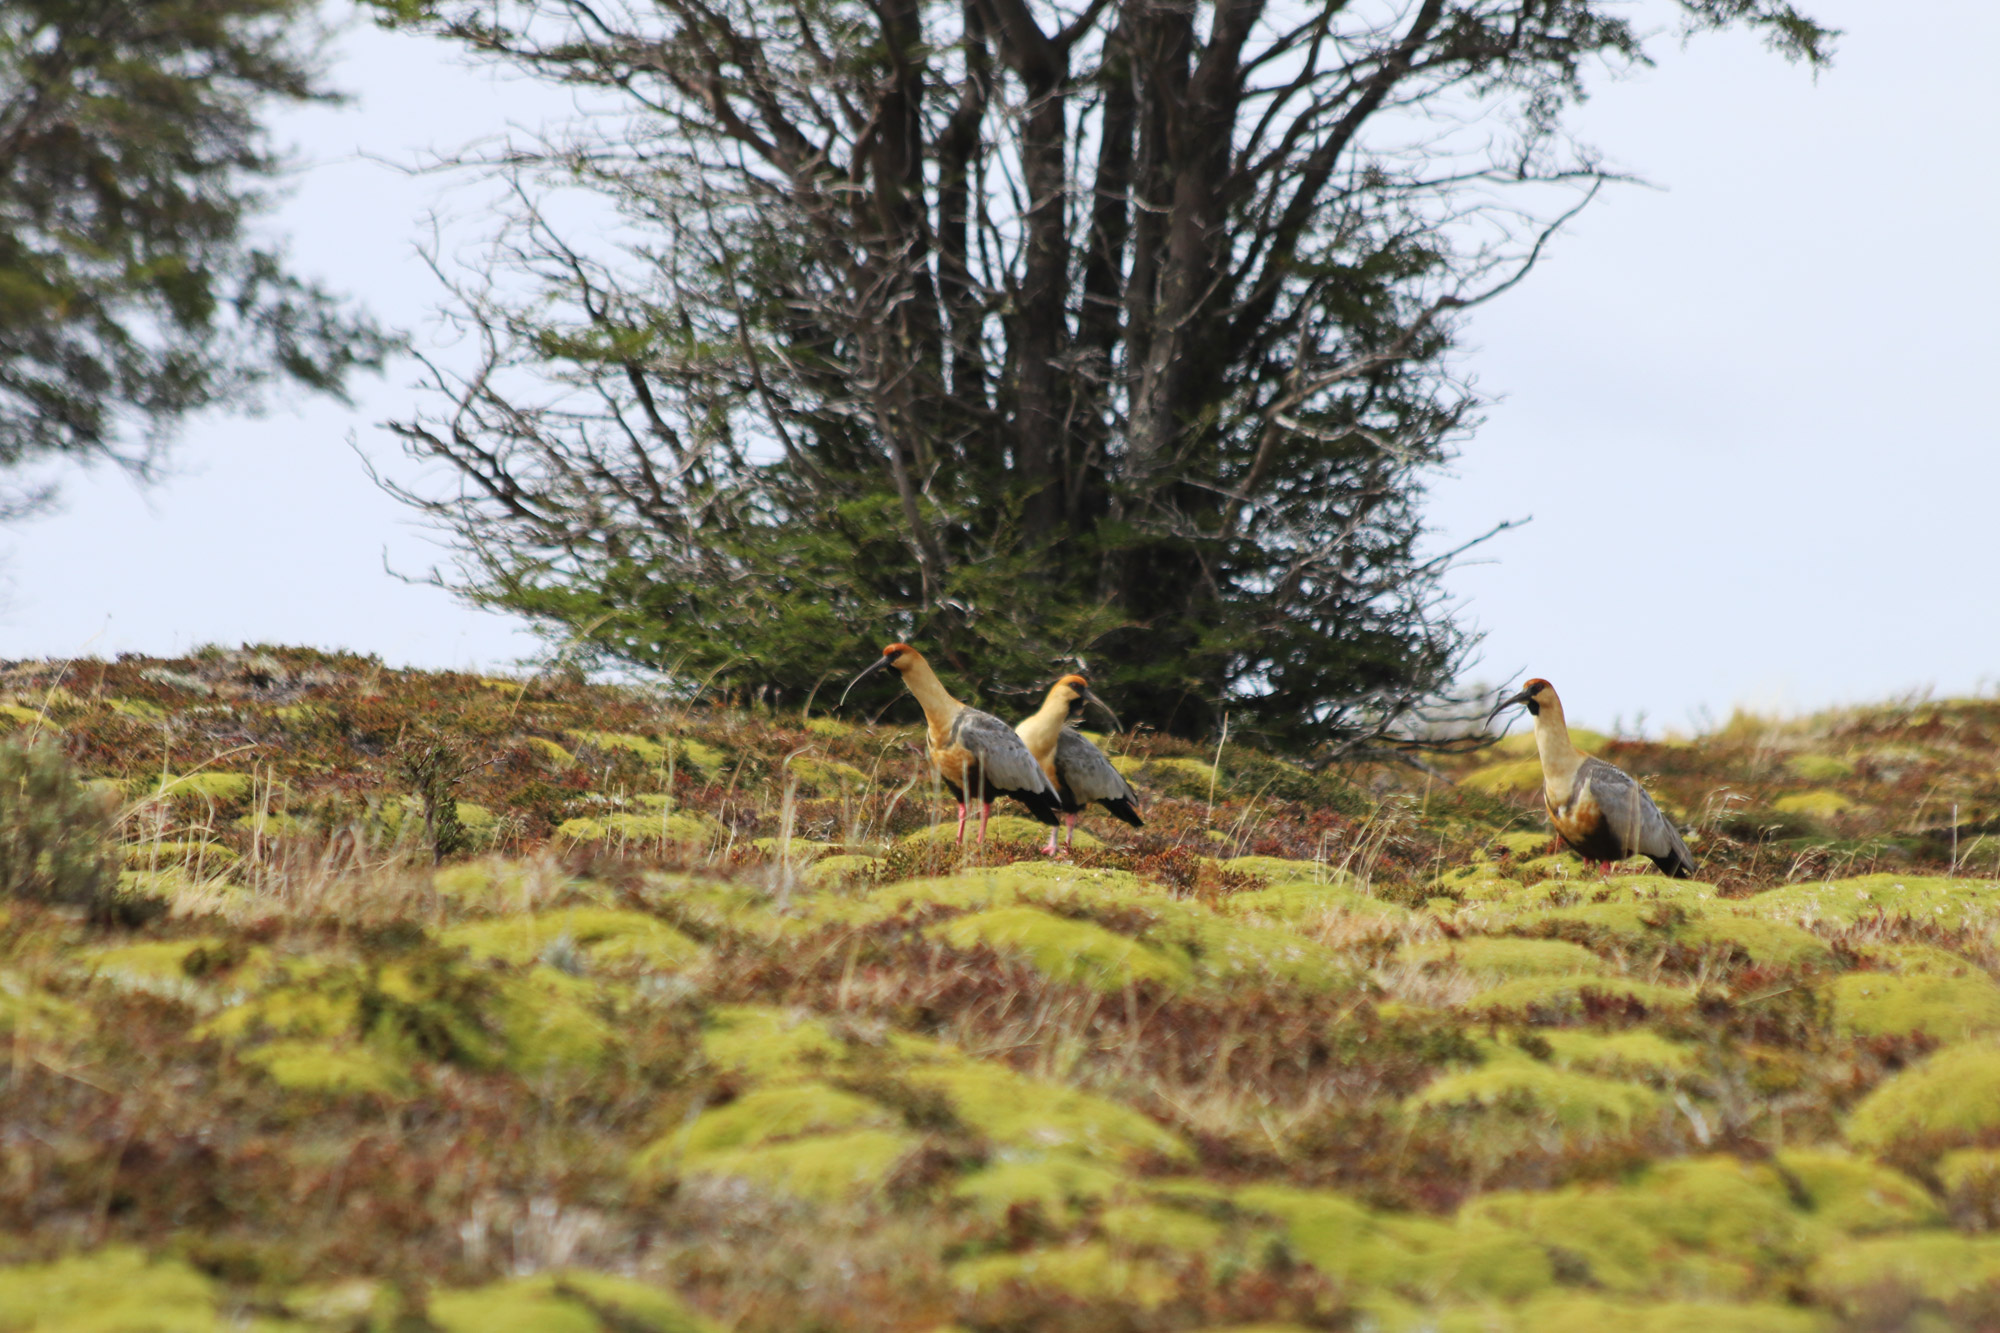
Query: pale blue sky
(1748, 410)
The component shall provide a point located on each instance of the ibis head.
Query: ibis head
(897, 656)
(1076, 691)
(1536, 694)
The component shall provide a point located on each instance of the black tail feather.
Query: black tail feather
(1122, 808)
(1043, 805)
(1674, 866)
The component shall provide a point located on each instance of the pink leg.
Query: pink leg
(1069, 837)
(961, 823)
(985, 813)
(1050, 850)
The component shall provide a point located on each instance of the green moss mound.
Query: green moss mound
(1507, 778)
(800, 851)
(1039, 1116)
(1525, 1101)
(1909, 959)
(1145, 1226)
(1550, 999)
(113, 1290)
(1063, 1186)
(833, 870)
(1592, 1314)
(493, 884)
(30, 1014)
(1417, 1258)
(332, 1026)
(1819, 768)
(1701, 1228)
(1938, 1266)
(1624, 925)
(1595, 1234)
(1300, 902)
(570, 1301)
(1950, 1100)
(1065, 949)
(649, 752)
(1823, 804)
(1635, 1053)
(209, 785)
(772, 1114)
(1935, 900)
(555, 1024)
(198, 856)
(276, 824)
(679, 829)
(155, 967)
(1090, 1271)
(824, 1168)
(1232, 954)
(1766, 943)
(1030, 882)
(1855, 1196)
(332, 1069)
(557, 756)
(27, 717)
(1509, 957)
(1280, 870)
(708, 760)
(827, 777)
(1948, 1008)
(769, 1043)
(1190, 779)
(608, 937)
(1967, 1169)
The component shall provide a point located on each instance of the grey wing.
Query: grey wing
(1002, 754)
(1632, 816)
(1087, 773)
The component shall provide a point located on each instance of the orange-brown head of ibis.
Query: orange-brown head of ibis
(897, 656)
(1074, 692)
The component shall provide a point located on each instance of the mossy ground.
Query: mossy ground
(716, 1028)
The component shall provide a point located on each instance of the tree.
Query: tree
(131, 158)
(1102, 330)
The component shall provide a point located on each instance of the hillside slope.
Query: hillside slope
(705, 1023)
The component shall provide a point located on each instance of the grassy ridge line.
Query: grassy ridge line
(1311, 1049)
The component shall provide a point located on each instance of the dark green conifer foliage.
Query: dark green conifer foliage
(55, 833)
(430, 764)
(1109, 332)
(132, 158)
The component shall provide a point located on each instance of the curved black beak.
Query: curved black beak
(1088, 697)
(1506, 703)
(868, 671)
